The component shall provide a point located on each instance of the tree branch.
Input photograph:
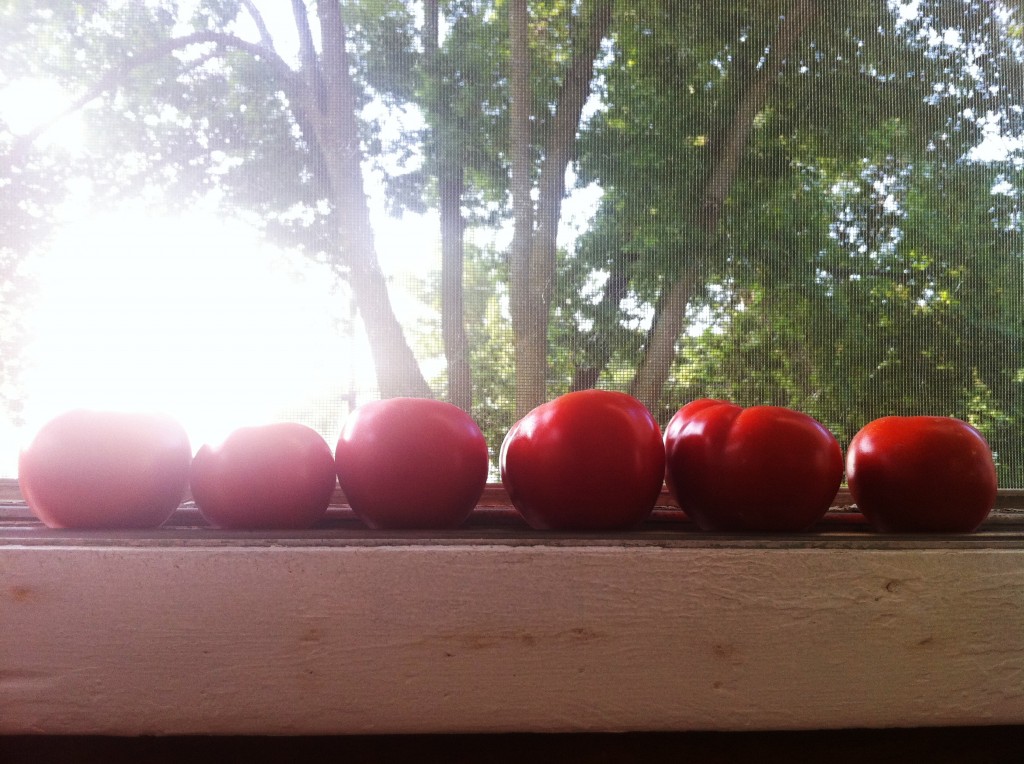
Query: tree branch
(266, 39)
(561, 143)
(307, 53)
(800, 15)
(430, 28)
(596, 343)
(670, 312)
(398, 372)
(117, 77)
(529, 317)
(534, 241)
(572, 96)
(446, 147)
(660, 348)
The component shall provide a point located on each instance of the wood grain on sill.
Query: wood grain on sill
(150, 640)
(495, 627)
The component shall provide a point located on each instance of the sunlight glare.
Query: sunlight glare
(30, 103)
(193, 316)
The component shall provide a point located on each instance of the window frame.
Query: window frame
(499, 628)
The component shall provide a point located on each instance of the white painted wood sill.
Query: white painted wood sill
(495, 627)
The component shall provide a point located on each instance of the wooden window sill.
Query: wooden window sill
(497, 628)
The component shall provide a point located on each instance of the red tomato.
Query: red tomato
(589, 460)
(763, 468)
(105, 469)
(273, 476)
(411, 463)
(921, 473)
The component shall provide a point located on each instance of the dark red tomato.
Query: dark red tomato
(278, 476)
(763, 468)
(105, 469)
(588, 460)
(411, 463)
(921, 473)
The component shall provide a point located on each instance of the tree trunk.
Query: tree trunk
(596, 344)
(670, 312)
(453, 326)
(529, 324)
(451, 184)
(535, 239)
(398, 373)
(660, 350)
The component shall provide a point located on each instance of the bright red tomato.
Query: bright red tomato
(921, 473)
(411, 463)
(588, 460)
(105, 469)
(277, 476)
(763, 468)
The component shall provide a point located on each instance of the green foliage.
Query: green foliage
(862, 265)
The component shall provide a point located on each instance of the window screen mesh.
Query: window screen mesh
(238, 211)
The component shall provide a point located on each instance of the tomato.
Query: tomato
(921, 473)
(105, 469)
(588, 460)
(411, 463)
(273, 476)
(763, 468)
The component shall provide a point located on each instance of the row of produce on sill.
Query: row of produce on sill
(590, 460)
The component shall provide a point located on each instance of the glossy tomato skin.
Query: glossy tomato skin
(921, 473)
(105, 469)
(588, 460)
(407, 463)
(275, 476)
(763, 468)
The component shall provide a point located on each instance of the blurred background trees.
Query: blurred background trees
(797, 202)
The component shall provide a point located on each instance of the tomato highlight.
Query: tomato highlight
(105, 469)
(408, 463)
(275, 476)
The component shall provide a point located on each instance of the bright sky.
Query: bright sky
(191, 314)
